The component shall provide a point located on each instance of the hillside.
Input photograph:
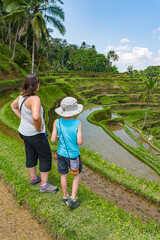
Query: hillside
(132, 212)
(21, 65)
(10, 69)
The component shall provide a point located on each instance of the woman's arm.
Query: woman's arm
(79, 134)
(36, 112)
(15, 108)
(54, 133)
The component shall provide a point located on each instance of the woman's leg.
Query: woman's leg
(44, 177)
(32, 172)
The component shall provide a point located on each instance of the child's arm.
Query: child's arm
(54, 133)
(79, 134)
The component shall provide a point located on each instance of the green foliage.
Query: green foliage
(5, 50)
(22, 57)
(101, 114)
(105, 100)
(84, 58)
(136, 115)
(7, 66)
(152, 71)
(130, 70)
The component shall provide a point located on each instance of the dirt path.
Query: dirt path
(16, 222)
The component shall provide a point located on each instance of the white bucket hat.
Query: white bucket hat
(69, 107)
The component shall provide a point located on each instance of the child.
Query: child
(69, 132)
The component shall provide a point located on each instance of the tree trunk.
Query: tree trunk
(26, 43)
(15, 42)
(145, 114)
(3, 41)
(10, 35)
(33, 49)
(39, 64)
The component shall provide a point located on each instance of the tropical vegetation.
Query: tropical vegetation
(65, 69)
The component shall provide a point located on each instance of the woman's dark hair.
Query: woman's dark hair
(30, 85)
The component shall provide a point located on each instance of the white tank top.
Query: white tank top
(26, 126)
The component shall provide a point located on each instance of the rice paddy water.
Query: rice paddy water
(99, 141)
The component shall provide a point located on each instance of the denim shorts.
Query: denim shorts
(37, 146)
(63, 164)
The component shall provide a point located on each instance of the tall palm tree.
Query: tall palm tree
(3, 28)
(37, 13)
(111, 56)
(150, 84)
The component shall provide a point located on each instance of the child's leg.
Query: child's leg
(64, 185)
(75, 185)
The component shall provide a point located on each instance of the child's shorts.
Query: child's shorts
(63, 164)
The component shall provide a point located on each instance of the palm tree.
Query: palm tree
(37, 14)
(3, 28)
(84, 45)
(111, 55)
(150, 85)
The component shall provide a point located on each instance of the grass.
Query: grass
(94, 219)
(133, 116)
(119, 175)
(49, 96)
(7, 66)
(111, 171)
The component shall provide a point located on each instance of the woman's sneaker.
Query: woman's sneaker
(48, 188)
(36, 180)
(72, 203)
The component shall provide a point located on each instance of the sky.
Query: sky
(130, 28)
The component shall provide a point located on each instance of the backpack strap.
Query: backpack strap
(23, 102)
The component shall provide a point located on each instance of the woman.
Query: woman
(27, 106)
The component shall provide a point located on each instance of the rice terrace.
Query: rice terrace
(119, 191)
(113, 199)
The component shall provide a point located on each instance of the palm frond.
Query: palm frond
(53, 1)
(13, 15)
(24, 28)
(12, 5)
(35, 26)
(56, 23)
(55, 11)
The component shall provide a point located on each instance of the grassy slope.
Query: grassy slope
(49, 95)
(8, 68)
(94, 219)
